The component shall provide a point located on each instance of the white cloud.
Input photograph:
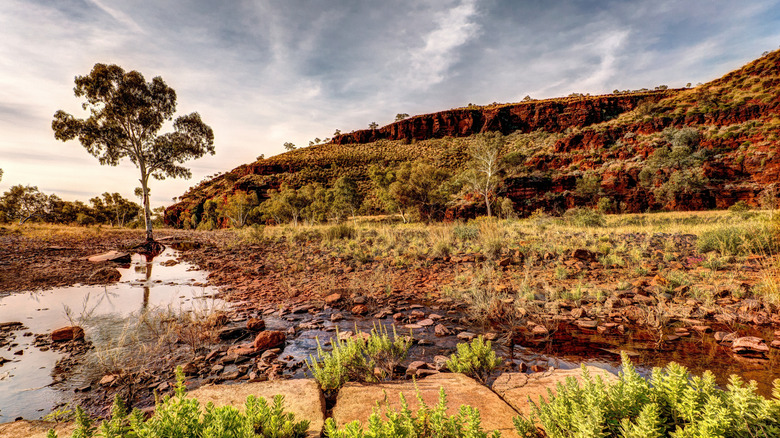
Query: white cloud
(455, 27)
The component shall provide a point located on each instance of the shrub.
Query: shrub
(179, 416)
(584, 217)
(426, 422)
(340, 231)
(477, 359)
(465, 232)
(671, 403)
(354, 359)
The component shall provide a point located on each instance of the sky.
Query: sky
(262, 73)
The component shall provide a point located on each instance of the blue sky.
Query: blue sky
(262, 73)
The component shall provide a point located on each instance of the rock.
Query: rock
(336, 317)
(584, 255)
(255, 325)
(539, 330)
(228, 333)
(425, 322)
(359, 309)
(302, 397)
(517, 388)
(109, 379)
(333, 299)
(414, 366)
(504, 262)
(440, 362)
(269, 339)
(35, 428)
(466, 336)
(242, 350)
(11, 326)
(356, 401)
(107, 274)
(774, 344)
(725, 337)
(67, 334)
(303, 308)
(111, 256)
(189, 369)
(441, 330)
(749, 345)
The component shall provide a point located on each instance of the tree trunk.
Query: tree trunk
(147, 210)
(487, 204)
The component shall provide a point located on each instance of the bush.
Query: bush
(584, 217)
(426, 422)
(477, 359)
(740, 239)
(671, 403)
(340, 231)
(179, 416)
(465, 232)
(354, 359)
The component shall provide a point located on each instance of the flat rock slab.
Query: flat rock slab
(302, 397)
(35, 429)
(357, 402)
(516, 388)
(111, 256)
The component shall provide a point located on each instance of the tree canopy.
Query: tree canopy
(125, 114)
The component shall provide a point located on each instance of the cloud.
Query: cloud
(454, 28)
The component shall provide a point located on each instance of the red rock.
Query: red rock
(269, 339)
(775, 343)
(67, 333)
(749, 344)
(425, 322)
(441, 330)
(333, 299)
(243, 350)
(111, 256)
(359, 309)
(255, 325)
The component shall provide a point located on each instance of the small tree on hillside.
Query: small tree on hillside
(401, 116)
(346, 197)
(486, 163)
(373, 125)
(238, 206)
(126, 112)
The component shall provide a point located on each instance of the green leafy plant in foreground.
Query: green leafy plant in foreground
(476, 359)
(182, 417)
(355, 359)
(426, 422)
(671, 404)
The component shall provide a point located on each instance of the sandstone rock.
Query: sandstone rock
(539, 330)
(775, 343)
(359, 309)
(67, 334)
(227, 333)
(269, 339)
(516, 388)
(441, 330)
(466, 336)
(584, 255)
(35, 428)
(333, 299)
(302, 397)
(356, 401)
(749, 345)
(425, 322)
(111, 256)
(255, 325)
(107, 274)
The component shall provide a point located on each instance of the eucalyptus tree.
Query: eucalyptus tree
(125, 115)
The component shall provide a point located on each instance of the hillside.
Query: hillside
(679, 149)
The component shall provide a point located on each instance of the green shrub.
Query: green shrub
(354, 359)
(426, 422)
(584, 217)
(740, 239)
(465, 232)
(339, 231)
(476, 359)
(182, 417)
(672, 403)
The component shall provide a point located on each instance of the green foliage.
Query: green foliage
(740, 239)
(182, 417)
(672, 403)
(426, 422)
(584, 217)
(355, 359)
(465, 232)
(476, 359)
(238, 207)
(340, 231)
(588, 185)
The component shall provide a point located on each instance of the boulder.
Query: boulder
(333, 299)
(357, 401)
(67, 333)
(111, 256)
(269, 339)
(516, 388)
(255, 325)
(302, 397)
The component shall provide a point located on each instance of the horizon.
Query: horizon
(264, 73)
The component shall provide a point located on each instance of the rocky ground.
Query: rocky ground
(667, 302)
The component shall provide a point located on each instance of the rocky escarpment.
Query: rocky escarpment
(550, 115)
